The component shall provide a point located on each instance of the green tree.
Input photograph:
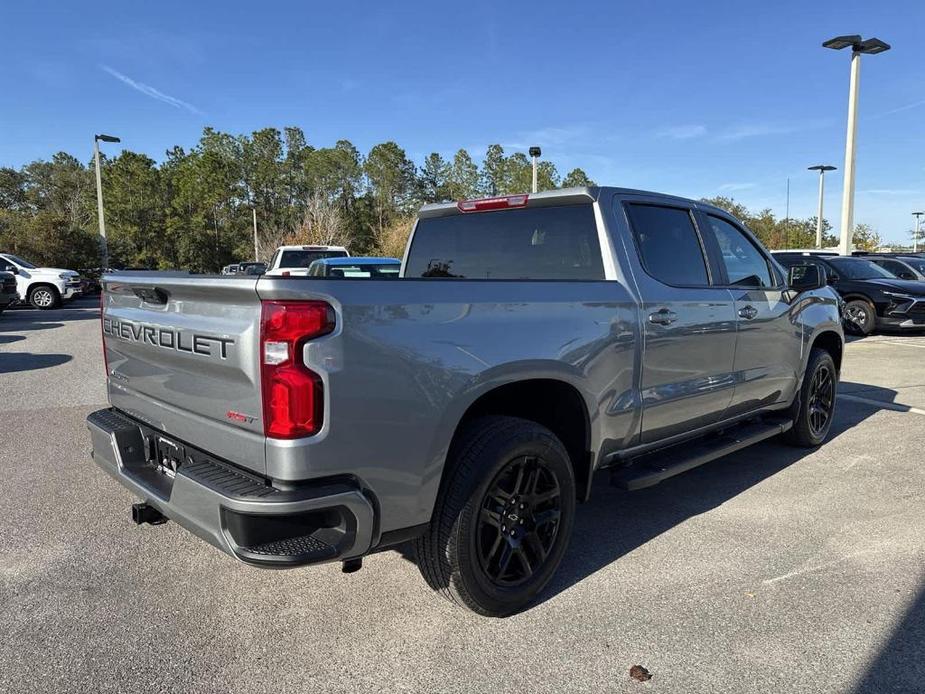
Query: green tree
(576, 178)
(391, 177)
(135, 206)
(493, 170)
(865, 238)
(462, 181)
(432, 179)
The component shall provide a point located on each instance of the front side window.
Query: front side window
(534, 243)
(22, 263)
(745, 265)
(668, 245)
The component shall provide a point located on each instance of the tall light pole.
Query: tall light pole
(915, 237)
(858, 47)
(256, 258)
(535, 152)
(104, 248)
(821, 168)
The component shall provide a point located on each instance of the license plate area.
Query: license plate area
(167, 456)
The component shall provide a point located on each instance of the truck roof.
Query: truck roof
(560, 196)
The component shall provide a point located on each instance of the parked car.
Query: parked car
(903, 267)
(230, 269)
(874, 297)
(8, 293)
(43, 287)
(251, 268)
(355, 267)
(529, 341)
(293, 261)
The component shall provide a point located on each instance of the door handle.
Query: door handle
(748, 312)
(663, 317)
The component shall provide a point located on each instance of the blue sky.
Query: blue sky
(692, 98)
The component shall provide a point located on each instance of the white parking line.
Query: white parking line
(897, 407)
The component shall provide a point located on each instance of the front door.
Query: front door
(689, 324)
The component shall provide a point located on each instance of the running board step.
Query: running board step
(651, 468)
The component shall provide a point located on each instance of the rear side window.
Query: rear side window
(540, 243)
(745, 265)
(668, 245)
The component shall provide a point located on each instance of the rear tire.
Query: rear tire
(503, 518)
(44, 297)
(860, 317)
(814, 411)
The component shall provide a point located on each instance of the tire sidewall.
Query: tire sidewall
(55, 299)
(505, 600)
(817, 360)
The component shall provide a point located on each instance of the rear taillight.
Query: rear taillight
(293, 395)
(485, 204)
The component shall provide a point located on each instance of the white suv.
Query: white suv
(294, 260)
(43, 287)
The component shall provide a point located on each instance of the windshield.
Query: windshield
(22, 263)
(306, 258)
(916, 263)
(858, 269)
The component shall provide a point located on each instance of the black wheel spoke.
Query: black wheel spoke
(492, 518)
(504, 561)
(546, 517)
(532, 541)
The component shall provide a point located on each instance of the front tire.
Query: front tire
(815, 409)
(860, 317)
(44, 297)
(502, 521)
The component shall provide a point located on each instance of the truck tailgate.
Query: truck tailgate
(182, 356)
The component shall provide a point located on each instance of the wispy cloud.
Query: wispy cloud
(741, 132)
(683, 132)
(898, 109)
(890, 191)
(733, 187)
(150, 91)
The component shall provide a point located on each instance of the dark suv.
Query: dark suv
(874, 297)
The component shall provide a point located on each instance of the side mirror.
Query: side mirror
(803, 278)
(906, 276)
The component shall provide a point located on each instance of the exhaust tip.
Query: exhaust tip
(144, 513)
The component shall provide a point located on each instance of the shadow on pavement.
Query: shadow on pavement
(7, 339)
(11, 362)
(900, 665)
(615, 522)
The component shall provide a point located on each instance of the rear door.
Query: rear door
(768, 348)
(689, 325)
(182, 356)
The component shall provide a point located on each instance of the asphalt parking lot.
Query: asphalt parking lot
(771, 570)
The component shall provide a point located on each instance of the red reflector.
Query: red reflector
(293, 395)
(500, 203)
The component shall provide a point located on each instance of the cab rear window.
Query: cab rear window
(542, 243)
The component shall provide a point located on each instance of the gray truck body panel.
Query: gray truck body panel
(408, 357)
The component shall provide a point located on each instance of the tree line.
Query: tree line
(194, 209)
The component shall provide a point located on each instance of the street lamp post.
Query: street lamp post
(915, 237)
(104, 248)
(858, 47)
(535, 152)
(821, 168)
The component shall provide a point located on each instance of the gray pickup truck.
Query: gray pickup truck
(465, 405)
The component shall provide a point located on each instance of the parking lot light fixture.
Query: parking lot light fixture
(821, 168)
(858, 47)
(104, 248)
(535, 152)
